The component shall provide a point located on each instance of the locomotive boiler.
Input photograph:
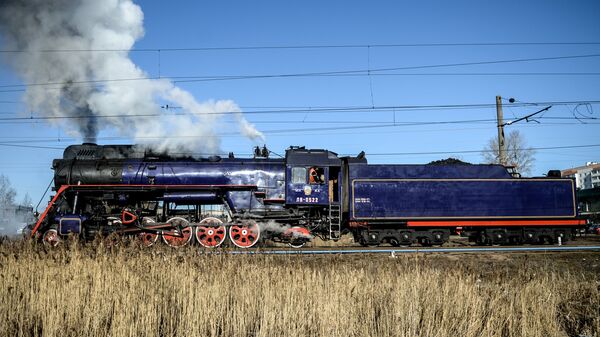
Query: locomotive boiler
(123, 190)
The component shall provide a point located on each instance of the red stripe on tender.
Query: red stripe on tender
(486, 223)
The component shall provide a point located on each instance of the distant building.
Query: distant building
(587, 180)
(586, 177)
(14, 217)
(589, 203)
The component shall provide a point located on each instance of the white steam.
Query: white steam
(13, 217)
(282, 229)
(83, 90)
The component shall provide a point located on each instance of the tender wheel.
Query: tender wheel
(175, 237)
(297, 236)
(51, 238)
(211, 232)
(394, 242)
(424, 241)
(244, 235)
(148, 239)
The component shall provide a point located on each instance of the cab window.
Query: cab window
(298, 175)
(316, 175)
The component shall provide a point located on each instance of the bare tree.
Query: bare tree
(13, 217)
(7, 193)
(518, 154)
(26, 200)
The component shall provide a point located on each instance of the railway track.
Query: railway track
(400, 251)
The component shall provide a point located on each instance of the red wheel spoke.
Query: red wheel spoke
(210, 233)
(178, 236)
(147, 238)
(244, 235)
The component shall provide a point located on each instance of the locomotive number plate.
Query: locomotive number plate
(307, 199)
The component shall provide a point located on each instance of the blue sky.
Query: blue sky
(190, 24)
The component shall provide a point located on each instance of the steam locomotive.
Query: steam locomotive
(123, 190)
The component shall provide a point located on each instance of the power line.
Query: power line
(21, 140)
(367, 72)
(378, 126)
(209, 78)
(31, 140)
(399, 108)
(32, 146)
(490, 74)
(279, 131)
(352, 72)
(283, 122)
(46, 140)
(324, 46)
(389, 108)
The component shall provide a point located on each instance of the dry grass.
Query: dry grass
(128, 291)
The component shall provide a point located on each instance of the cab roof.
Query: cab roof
(296, 155)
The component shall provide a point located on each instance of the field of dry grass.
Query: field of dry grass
(128, 291)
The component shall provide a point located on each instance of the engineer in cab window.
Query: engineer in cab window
(315, 175)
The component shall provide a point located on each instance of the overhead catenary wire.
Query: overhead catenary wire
(32, 146)
(68, 140)
(277, 131)
(311, 46)
(150, 139)
(370, 72)
(363, 72)
(588, 120)
(209, 78)
(284, 131)
(334, 109)
(397, 108)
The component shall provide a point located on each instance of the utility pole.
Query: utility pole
(501, 145)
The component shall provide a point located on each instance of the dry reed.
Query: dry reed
(129, 291)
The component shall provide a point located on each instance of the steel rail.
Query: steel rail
(417, 250)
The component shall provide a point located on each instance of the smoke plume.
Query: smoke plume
(89, 84)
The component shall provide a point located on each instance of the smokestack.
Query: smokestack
(79, 73)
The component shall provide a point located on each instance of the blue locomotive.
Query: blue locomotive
(117, 190)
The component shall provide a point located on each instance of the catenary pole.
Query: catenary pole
(501, 145)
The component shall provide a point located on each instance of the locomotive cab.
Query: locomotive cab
(313, 177)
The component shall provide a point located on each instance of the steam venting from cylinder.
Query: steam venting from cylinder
(62, 39)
